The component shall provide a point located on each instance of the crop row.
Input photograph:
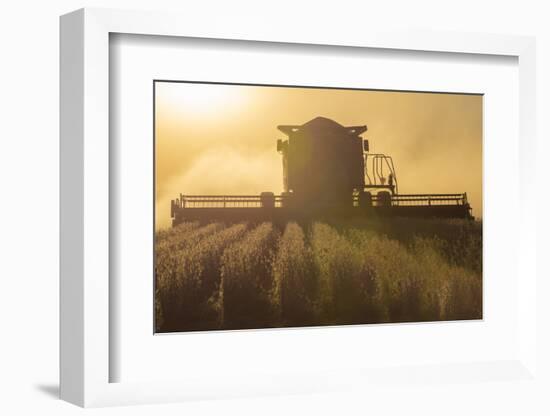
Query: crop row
(245, 276)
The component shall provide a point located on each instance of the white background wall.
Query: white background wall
(29, 195)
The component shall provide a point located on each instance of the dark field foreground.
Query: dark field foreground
(238, 276)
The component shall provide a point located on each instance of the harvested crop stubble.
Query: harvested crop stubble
(247, 281)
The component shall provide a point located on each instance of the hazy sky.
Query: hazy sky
(221, 139)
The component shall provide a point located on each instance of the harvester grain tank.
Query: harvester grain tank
(323, 163)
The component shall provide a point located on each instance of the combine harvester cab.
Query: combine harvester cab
(328, 172)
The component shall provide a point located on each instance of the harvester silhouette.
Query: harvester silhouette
(328, 173)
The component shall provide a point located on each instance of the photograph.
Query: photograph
(279, 206)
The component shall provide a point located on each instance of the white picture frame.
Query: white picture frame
(85, 265)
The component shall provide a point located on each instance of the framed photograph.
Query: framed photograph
(339, 242)
(273, 213)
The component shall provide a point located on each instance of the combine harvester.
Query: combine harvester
(328, 173)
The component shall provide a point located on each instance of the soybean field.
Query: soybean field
(263, 275)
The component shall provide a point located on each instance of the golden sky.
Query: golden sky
(221, 139)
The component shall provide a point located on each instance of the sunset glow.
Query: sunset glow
(198, 100)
